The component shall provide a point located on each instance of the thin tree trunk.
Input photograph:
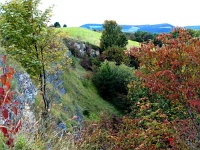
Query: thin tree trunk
(42, 79)
(45, 99)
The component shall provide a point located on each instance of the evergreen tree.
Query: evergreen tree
(57, 25)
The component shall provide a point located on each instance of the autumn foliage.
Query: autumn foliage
(164, 97)
(172, 70)
(8, 107)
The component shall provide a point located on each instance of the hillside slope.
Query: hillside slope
(89, 36)
(73, 94)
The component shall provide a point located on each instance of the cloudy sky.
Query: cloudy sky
(134, 12)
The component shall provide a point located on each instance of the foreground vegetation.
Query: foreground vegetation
(151, 93)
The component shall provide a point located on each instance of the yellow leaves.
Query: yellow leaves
(183, 69)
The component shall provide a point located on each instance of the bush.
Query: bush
(117, 55)
(111, 82)
(143, 103)
(115, 133)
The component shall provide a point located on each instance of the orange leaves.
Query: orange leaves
(7, 106)
(158, 73)
(10, 70)
(15, 110)
(3, 79)
(172, 69)
(7, 77)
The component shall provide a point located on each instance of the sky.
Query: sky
(75, 13)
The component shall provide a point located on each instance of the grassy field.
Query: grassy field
(89, 36)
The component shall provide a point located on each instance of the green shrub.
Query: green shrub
(21, 143)
(117, 55)
(111, 82)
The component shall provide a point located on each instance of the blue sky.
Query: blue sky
(134, 12)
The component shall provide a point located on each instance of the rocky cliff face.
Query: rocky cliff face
(25, 92)
(25, 95)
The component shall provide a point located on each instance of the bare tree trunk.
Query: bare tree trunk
(42, 78)
(44, 96)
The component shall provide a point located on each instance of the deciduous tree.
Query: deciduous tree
(112, 35)
(173, 71)
(28, 39)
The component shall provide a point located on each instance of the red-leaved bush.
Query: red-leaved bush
(8, 107)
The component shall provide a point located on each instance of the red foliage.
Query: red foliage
(172, 70)
(125, 133)
(7, 106)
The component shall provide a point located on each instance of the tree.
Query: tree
(117, 55)
(172, 71)
(111, 82)
(57, 25)
(194, 33)
(64, 25)
(112, 35)
(27, 38)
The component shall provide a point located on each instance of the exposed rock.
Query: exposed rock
(53, 77)
(54, 97)
(25, 95)
(60, 129)
(25, 87)
(79, 114)
(63, 90)
(79, 49)
(57, 84)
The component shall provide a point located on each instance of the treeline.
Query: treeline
(145, 37)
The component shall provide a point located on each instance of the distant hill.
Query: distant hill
(155, 28)
(193, 27)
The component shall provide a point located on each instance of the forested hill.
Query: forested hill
(155, 28)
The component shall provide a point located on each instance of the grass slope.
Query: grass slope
(89, 36)
(80, 92)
